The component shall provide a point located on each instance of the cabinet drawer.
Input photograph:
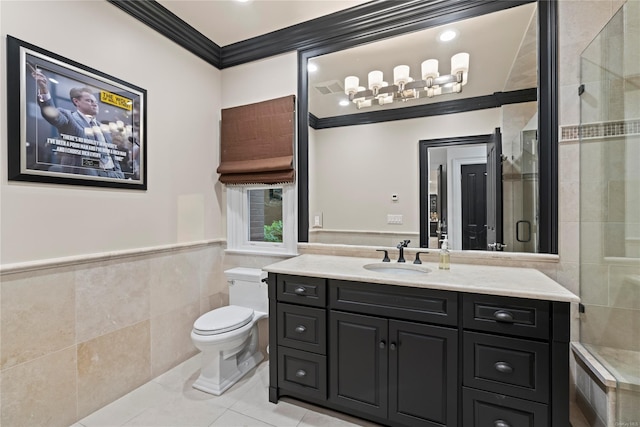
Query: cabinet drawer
(303, 373)
(483, 409)
(302, 290)
(513, 316)
(304, 328)
(400, 302)
(519, 368)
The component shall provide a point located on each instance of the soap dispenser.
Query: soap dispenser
(444, 254)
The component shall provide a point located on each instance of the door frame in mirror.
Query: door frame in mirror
(423, 148)
(403, 17)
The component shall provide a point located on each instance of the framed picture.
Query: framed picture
(71, 124)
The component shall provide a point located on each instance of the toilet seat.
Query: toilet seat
(223, 319)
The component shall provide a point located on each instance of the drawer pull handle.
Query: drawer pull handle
(382, 344)
(501, 423)
(503, 316)
(300, 329)
(503, 367)
(300, 290)
(301, 373)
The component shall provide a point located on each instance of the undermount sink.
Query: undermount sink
(397, 269)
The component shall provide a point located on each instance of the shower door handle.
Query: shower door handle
(528, 224)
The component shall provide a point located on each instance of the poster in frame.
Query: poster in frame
(71, 124)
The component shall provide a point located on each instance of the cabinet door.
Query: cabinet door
(423, 368)
(358, 362)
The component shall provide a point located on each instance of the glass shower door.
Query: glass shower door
(610, 205)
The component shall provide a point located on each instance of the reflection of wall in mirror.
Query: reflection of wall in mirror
(354, 170)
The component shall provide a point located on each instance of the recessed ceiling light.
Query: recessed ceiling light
(344, 102)
(447, 35)
(311, 67)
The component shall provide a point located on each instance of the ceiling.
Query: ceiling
(229, 21)
(502, 46)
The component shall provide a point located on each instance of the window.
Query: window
(261, 218)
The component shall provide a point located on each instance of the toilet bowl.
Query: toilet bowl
(228, 336)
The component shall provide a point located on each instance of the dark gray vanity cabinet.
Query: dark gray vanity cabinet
(405, 356)
(515, 363)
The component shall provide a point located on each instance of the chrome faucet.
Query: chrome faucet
(401, 247)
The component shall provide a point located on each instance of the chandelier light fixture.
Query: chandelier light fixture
(405, 87)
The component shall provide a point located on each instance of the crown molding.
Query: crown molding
(363, 23)
(159, 18)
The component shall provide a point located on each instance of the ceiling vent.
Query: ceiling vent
(332, 86)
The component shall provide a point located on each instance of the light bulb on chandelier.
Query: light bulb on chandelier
(404, 87)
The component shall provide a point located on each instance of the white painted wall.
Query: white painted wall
(353, 190)
(41, 221)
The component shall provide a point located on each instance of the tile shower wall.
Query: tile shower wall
(75, 337)
(579, 23)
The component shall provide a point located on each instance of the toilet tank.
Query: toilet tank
(246, 288)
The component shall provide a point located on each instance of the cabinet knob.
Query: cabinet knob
(501, 423)
(301, 373)
(503, 316)
(300, 329)
(382, 344)
(503, 367)
(300, 290)
(392, 346)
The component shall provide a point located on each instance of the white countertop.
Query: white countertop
(481, 279)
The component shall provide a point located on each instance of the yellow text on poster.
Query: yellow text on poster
(116, 100)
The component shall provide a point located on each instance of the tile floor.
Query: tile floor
(170, 401)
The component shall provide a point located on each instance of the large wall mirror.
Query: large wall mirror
(417, 168)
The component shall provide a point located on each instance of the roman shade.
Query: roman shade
(256, 144)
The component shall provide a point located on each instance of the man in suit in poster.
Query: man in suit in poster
(81, 123)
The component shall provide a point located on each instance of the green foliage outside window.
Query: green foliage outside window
(273, 232)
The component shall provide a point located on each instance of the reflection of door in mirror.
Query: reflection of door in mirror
(473, 199)
(511, 162)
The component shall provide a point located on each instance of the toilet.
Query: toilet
(228, 336)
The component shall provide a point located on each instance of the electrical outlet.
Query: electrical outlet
(394, 219)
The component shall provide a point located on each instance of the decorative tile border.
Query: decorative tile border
(600, 130)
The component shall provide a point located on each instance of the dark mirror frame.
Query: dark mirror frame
(388, 19)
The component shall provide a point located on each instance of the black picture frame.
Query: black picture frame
(51, 141)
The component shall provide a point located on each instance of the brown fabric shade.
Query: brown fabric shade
(257, 143)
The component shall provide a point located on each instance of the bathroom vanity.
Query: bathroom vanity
(411, 345)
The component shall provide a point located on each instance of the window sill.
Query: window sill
(260, 252)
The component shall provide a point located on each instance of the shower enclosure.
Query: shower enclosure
(610, 219)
